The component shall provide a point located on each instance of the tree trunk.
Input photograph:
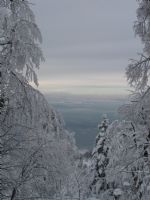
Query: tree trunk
(13, 194)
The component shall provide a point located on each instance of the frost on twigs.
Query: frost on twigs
(33, 139)
(138, 70)
(19, 40)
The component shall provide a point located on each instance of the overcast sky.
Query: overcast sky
(87, 44)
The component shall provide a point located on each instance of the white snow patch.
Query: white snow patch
(126, 183)
(118, 192)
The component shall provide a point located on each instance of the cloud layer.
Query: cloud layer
(86, 42)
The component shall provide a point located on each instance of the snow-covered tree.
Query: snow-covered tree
(100, 159)
(19, 55)
(122, 157)
(80, 177)
(127, 143)
(33, 139)
(138, 70)
(138, 114)
(138, 111)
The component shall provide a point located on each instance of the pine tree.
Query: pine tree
(100, 159)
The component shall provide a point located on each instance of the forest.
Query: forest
(39, 158)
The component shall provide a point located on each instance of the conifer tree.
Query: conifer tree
(100, 160)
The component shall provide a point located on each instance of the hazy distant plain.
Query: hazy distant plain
(82, 113)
